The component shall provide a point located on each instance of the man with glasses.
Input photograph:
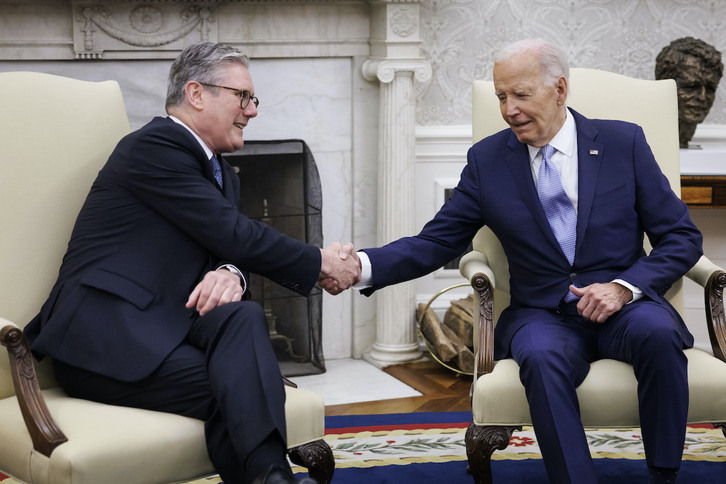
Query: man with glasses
(148, 309)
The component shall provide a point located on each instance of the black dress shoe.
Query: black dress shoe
(279, 476)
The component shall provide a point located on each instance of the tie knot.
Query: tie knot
(547, 152)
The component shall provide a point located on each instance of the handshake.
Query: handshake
(340, 268)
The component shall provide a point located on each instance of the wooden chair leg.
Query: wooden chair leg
(481, 442)
(721, 426)
(317, 457)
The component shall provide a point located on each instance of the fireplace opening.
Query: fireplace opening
(280, 186)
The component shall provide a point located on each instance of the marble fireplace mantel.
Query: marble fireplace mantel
(159, 29)
(338, 73)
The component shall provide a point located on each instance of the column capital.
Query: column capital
(384, 70)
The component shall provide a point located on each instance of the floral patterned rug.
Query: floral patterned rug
(381, 448)
(400, 444)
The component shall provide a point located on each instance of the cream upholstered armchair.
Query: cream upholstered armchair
(608, 396)
(55, 134)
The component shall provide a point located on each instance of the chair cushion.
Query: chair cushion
(608, 396)
(112, 444)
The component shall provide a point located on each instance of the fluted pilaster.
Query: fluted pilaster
(397, 65)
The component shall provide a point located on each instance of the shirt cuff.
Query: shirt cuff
(366, 272)
(637, 293)
(233, 269)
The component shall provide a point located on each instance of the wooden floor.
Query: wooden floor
(443, 391)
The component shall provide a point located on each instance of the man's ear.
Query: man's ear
(194, 93)
(561, 88)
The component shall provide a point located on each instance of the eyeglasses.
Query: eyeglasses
(244, 96)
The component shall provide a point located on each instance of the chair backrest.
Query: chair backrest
(601, 95)
(55, 134)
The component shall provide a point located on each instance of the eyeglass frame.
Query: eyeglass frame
(239, 93)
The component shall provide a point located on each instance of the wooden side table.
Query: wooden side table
(703, 174)
(703, 191)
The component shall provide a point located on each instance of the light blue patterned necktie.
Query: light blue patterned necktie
(557, 207)
(216, 170)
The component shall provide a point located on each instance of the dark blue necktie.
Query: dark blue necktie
(216, 170)
(558, 207)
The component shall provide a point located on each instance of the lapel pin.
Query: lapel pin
(593, 152)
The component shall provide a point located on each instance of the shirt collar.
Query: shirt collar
(204, 146)
(564, 140)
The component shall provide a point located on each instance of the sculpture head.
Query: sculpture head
(697, 70)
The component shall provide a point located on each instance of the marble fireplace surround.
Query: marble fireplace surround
(339, 74)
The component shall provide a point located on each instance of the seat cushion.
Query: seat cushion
(608, 396)
(113, 444)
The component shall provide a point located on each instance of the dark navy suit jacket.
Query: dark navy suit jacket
(154, 223)
(622, 195)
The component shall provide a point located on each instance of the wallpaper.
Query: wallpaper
(623, 36)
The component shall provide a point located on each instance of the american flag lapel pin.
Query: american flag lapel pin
(594, 152)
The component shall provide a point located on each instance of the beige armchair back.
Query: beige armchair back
(55, 135)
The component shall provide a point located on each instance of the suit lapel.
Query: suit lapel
(195, 147)
(589, 159)
(519, 164)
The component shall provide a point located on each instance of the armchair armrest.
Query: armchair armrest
(713, 279)
(44, 432)
(474, 266)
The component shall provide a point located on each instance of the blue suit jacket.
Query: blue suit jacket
(622, 195)
(154, 223)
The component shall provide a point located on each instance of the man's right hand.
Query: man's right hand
(600, 301)
(340, 268)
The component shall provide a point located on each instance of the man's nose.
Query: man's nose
(512, 107)
(250, 111)
(702, 93)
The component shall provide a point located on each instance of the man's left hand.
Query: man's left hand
(217, 288)
(600, 301)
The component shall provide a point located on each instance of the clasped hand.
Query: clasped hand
(600, 301)
(340, 268)
(217, 288)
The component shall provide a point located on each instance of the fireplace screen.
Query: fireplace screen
(280, 186)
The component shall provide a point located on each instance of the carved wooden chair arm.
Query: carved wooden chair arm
(474, 266)
(713, 279)
(715, 318)
(44, 432)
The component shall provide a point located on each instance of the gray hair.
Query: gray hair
(201, 62)
(553, 60)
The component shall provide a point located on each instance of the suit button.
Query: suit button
(573, 276)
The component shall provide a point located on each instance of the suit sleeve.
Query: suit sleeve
(441, 240)
(167, 177)
(676, 242)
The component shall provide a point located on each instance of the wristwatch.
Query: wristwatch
(231, 268)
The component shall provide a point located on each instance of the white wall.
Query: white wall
(622, 36)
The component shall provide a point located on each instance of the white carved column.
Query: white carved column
(396, 63)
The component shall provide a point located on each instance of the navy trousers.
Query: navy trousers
(554, 354)
(224, 373)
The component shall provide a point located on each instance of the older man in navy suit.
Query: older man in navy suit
(582, 288)
(147, 310)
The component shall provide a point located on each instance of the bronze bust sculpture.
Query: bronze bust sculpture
(697, 70)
